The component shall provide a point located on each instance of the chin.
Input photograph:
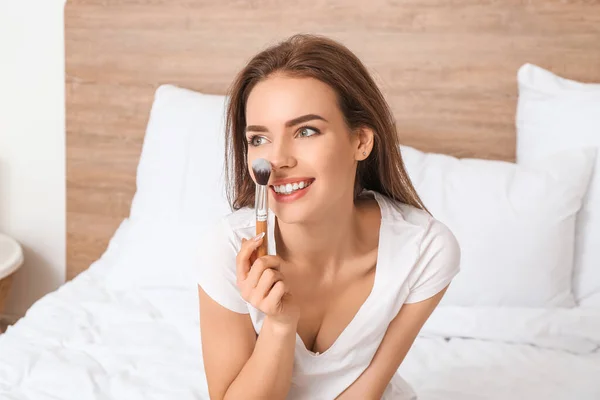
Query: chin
(300, 211)
(292, 213)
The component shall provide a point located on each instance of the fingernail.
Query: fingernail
(259, 236)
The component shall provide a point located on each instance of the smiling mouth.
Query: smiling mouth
(291, 188)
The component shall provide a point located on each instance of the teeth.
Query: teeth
(290, 187)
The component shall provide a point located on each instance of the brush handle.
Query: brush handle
(261, 226)
(262, 215)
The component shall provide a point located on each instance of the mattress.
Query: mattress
(92, 340)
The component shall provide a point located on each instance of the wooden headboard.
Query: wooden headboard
(447, 67)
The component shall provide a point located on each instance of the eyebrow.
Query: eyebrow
(288, 124)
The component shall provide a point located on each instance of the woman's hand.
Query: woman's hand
(263, 285)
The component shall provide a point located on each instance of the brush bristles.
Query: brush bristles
(262, 171)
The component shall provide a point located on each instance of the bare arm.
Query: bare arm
(238, 364)
(398, 339)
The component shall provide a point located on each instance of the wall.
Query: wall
(32, 144)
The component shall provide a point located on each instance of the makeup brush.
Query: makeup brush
(262, 173)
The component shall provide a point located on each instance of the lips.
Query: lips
(291, 191)
(292, 186)
(291, 180)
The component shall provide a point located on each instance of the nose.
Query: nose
(281, 155)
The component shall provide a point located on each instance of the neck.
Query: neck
(323, 244)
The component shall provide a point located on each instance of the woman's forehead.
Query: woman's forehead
(282, 98)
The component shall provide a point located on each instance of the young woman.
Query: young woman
(356, 264)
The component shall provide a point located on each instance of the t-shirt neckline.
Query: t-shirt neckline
(381, 259)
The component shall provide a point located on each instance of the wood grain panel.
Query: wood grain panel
(447, 67)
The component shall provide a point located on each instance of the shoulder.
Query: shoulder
(431, 234)
(240, 219)
(439, 240)
(227, 232)
(434, 257)
(216, 272)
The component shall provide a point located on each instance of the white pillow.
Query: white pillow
(180, 173)
(180, 191)
(515, 223)
(157, 254)
(554, 114)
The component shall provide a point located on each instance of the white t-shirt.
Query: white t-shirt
(417, 257)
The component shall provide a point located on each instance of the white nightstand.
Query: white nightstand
(11, 258)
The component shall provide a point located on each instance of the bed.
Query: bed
(89, 340)
(119, 329)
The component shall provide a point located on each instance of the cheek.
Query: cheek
(249, 166)
(332, 162)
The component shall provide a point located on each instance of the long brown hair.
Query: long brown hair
(360, 101)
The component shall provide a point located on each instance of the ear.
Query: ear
(363, 143)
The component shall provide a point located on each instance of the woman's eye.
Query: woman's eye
(307, 132)
(255, 140)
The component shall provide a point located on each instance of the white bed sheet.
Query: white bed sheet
(88, 341)
(470, 369)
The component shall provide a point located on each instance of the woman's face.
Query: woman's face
(296, 124)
